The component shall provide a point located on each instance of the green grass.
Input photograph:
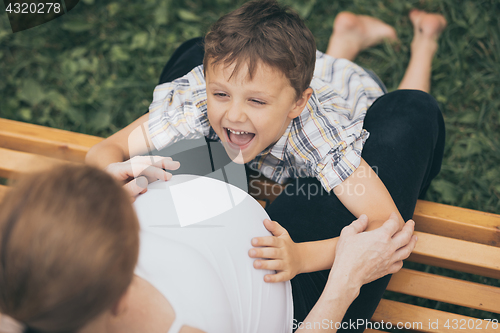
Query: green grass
(94, 70)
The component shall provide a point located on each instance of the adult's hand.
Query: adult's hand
(138, 171)
(363, 257)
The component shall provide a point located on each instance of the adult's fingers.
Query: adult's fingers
(403, 237)
(357, 226)
(395, 267)
(154, 172)
(139, 163)
(391, 226)
(159, 161)
(405, 251)
(167, 163)
(136, 186)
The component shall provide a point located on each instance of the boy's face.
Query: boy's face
(259, 109)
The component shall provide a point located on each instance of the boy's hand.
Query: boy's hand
(141, 170)
(282, 253)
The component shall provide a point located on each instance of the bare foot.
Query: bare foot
(358, 32)
(427, 26)
(427, 29)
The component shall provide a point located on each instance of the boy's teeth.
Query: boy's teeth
(230, 130)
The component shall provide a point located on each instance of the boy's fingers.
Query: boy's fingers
(274, 227)
(265, 241)
(279, 277)
(265, 252)
(273, 265)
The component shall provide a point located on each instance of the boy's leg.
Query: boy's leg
(426, 29)
(405, 148)
(354, 33)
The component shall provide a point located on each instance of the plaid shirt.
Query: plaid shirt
(324, 141)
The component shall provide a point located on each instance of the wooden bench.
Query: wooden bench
(450, 237)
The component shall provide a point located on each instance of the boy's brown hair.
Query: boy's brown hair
(268, 32)
(69, 242)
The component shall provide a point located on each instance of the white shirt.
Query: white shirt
(203, 269)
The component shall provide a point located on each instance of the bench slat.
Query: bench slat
(456, 222)
(3, 192)
(262, 203)
(457, 254)
(446, 289)
(45, 141)
(13, 163)
(394, 312)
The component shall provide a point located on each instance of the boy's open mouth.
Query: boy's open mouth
(239, 138)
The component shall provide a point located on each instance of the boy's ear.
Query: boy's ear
(300, 104)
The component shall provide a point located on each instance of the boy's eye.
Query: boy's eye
(258, 102)
(220, 94)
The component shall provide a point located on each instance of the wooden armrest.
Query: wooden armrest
(13, 163)
(45, 141)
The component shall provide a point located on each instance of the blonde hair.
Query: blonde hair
(69, 242)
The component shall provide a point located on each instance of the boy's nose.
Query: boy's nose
(236, 113)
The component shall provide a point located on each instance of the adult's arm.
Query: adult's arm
(361, 257)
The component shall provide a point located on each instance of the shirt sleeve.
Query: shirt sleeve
(341, 161)
(179, 110)
(344, 92)
(329, 135)
(341, 74)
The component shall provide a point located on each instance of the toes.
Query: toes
(428, 24)
(414, 14)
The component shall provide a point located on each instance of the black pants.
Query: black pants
(405, 148)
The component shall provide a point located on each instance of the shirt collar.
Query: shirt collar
(279, 148)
